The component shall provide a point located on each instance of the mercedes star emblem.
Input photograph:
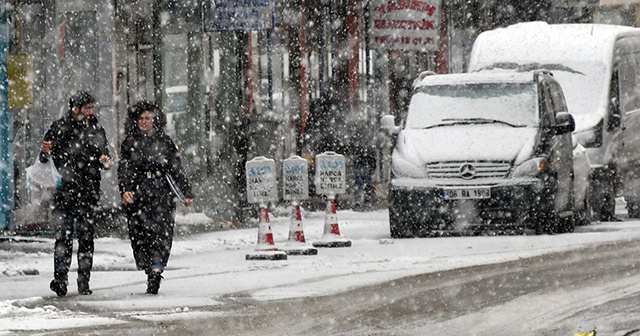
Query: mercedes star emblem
(467, 171)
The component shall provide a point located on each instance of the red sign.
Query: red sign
(405, 24)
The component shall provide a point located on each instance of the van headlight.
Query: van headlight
(530, 168)
(401, 167)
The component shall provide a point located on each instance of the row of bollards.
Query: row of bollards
(261, 189)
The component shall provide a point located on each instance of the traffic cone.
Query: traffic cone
(265, 248)
(297, 245)
(331, 236)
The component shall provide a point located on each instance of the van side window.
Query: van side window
(546, 104)
(557, 98)
(628, 63)
(614, 113)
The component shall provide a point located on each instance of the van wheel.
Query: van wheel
(541, 227)
(546, 222)
(602, 197)
(584, 216)
(550, 222)
(565, 225)
(633, 208)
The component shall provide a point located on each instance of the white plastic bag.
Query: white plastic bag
(42, 181)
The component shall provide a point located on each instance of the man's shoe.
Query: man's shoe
(153, 282)
(59, 286)
(83, 287)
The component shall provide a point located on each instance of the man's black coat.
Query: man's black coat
(76, 150)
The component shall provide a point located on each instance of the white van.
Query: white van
(598, 67)
(485, 151)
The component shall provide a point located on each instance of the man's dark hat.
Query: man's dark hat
(80, 99)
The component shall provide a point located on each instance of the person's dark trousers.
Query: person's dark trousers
(67, 223)
(363, 181)
(151, 235)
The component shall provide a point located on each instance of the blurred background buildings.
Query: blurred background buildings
(233, 91)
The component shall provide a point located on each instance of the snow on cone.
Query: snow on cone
(331, 236)
(297, 245)
(265, 248)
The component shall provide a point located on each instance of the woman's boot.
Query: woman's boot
(153, 282)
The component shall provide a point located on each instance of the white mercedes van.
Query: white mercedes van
(480, 150)
(598, 66)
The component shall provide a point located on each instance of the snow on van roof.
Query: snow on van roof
(476, 77)
(546, 43)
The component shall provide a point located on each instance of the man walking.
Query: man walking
(78, 146)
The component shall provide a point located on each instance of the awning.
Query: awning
(576, 3)
(618, 2)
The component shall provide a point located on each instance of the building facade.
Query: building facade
(235, 94)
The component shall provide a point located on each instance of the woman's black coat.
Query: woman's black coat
(144, 162)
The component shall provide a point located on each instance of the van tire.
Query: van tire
(633, 208)
(565, 225)
(584, 216)
(602, 195)
(546, 222)
(551, 223)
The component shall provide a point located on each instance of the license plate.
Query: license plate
(467, 193)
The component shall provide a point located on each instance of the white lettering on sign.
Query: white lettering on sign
(261, 180)
(406, 24)
(295, 184)
(241, 3)
(330, 174)
(399, 5)
(238, 15)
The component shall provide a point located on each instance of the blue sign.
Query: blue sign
(6, 153)
(238, 15)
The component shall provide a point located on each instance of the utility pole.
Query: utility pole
(228, 111)
(158, 76)
(195, 139)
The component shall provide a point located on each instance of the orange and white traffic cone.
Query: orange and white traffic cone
(331, 236)
(297, 245)
(265, 248)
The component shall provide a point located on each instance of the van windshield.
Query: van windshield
(583, 82)
(511, 104)
(584, 88)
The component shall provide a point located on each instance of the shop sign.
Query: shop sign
(238, 15)
(405, 24)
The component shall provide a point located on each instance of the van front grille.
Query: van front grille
(468, 170)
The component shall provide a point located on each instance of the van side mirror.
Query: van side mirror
(388, 124)
(564, 123)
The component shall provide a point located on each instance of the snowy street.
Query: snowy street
(208, 276)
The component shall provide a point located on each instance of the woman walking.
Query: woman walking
(149, 159)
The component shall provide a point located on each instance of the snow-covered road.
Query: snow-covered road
(208, 270)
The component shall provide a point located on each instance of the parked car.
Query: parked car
(486, 150)
(597, 66)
